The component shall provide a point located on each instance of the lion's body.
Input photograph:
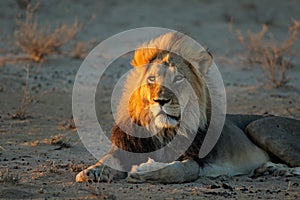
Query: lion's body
(234, 153)
(164, 114)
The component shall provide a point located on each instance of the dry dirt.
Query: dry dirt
(40, 155)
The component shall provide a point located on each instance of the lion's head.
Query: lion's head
(166, 88)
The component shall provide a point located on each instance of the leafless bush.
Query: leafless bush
(262, 48)
(26, 101)
(39, 41)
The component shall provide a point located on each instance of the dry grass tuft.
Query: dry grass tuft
(39, 41)
(68, 125)
(262, 48)
(77, 167)
(7, 176)
(59, 140)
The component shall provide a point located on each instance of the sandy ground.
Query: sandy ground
(40, 155)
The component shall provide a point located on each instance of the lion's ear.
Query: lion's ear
(204, 62)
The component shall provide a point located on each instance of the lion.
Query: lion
(163, 117)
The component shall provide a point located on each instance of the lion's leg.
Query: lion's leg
(100, 171)
(278, 136)
(276, 169)
(174, 172)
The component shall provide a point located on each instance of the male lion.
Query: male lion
(167, 105)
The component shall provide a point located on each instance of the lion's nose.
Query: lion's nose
(161, 102)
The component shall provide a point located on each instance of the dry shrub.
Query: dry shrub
(26, 101)
(262, 48)
(39, 41)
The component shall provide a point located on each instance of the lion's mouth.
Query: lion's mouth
(164, 120)
(168, 115)
(165, 117)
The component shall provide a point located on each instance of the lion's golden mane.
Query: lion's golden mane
(134, 109)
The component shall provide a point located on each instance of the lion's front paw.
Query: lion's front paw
(146, 172)
(97, 173)
(174, 172)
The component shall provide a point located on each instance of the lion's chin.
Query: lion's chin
(166, 121)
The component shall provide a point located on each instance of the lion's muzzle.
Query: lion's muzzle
(166, 114)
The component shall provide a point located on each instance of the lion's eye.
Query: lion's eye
(151, 79)
(178, 78)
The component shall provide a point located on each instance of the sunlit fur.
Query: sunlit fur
(165, 57)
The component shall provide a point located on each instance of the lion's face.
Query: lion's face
(167, 86)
